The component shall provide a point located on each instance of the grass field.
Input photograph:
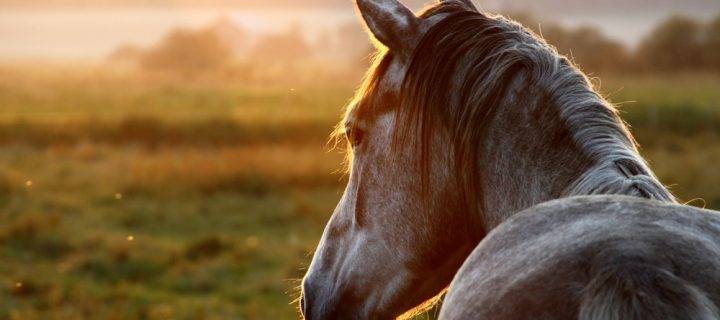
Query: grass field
(125, 196)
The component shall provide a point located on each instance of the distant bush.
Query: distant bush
(188, 52)
(126, 53)
(287, 47)
(712, 44)
(230, 34)
(682, 44)
(675, 44)
(589, 48)
(585, 45)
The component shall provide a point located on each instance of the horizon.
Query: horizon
(59, 30)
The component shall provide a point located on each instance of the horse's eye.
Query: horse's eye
(354, 136)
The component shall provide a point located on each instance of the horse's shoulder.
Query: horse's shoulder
(607, 208)
(583, 224)
(588, 215)
(553, 245)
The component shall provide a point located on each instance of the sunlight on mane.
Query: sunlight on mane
(425, 307)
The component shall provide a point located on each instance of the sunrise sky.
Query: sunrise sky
(92, 29)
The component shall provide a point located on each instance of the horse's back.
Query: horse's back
(598, 257)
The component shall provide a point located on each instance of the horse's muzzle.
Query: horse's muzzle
(319, 302)
(315, 306)
(306, 300)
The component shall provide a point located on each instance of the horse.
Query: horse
(464, 120)
(594, 257)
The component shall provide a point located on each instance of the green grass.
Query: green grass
(224, 187)
(201, 245)
(685, 104)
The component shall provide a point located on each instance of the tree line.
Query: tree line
(678, 44)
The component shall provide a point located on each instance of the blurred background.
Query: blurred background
(168, 159)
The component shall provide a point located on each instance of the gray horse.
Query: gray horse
(465, 120)
(594, 257)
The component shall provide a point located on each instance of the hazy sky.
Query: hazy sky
(82, 29)
(561, 5)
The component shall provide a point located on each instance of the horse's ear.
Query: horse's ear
(391, 23)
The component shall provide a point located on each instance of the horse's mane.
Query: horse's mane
(460, 76)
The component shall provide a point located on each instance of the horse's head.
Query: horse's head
(400, 230)
(465, 120)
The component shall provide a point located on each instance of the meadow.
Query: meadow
(133, 196)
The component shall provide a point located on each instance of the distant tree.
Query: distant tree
(674, 45)
(126, 53)
(591, 50)
(187, 52)
(586, 45)
(287, 47)
(230, 34)
(712, 44)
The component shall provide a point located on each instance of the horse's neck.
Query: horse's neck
(624, 174)
(541, 160)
